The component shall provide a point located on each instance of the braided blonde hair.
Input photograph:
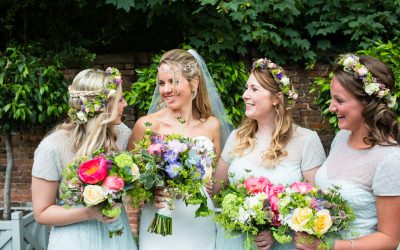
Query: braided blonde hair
(96, 133)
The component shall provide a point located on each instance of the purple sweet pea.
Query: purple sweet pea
(171, 156)
(173, 169)
(279, 76)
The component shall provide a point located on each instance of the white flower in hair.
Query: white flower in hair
(392, 101)
(371, 88)
(285, 80)
(81, 116)
(112, 93)
(349, 62)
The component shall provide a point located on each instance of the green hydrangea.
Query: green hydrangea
(124, 159)
(111, 212)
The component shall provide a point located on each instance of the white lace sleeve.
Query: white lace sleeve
(386, 180)
(313, 154)
(230, 144)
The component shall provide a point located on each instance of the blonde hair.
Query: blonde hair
(182, 61)
(96, 133)
(283, 124)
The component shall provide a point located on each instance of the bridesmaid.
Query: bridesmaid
(365, 154)
(268, 143)
(86, 131)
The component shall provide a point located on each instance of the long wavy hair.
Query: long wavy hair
(283, 124)
(380, 121)
(182, 61)
(96, 133)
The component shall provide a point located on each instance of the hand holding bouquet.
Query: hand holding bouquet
(321, 213)
(99, 180)
(179, 165)
(248, 207)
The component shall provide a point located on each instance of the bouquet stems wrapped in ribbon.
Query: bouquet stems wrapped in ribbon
(179, 165)
(317, 212)
(100, 180)
(248, 207)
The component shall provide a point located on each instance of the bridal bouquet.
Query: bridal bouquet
(321, 213)
(100, 180)
(181, 166)
(248, 207)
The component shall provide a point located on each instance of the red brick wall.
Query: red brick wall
(305, 113)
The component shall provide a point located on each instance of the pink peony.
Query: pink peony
(155, 149)
(256, 185)
(113, 183)
(93, 171)
(301, 187)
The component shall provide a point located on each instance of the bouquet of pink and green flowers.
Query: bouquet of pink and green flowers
(317, 212)
(101, 180)
(248, 207)
(179, 165)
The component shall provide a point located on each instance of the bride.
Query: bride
(185, 102)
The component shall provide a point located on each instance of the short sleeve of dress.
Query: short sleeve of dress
(313, 154)
(124, 133)
(230, 145)
(386, 180)
(47, 160)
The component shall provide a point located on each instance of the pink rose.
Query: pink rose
(93, 171)
(362, 71)
(275, 190)
(301, 187)
(256, 185)
(113, 183)
(155, 149)
(273, 201)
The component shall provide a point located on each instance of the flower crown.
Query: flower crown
(351, 64)
(94, 102)
(280, 77)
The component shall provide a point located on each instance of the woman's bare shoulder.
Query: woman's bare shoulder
(212, 122)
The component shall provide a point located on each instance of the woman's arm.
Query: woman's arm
(309, 175)
(220, 176)
(47, 212)
(138, 132)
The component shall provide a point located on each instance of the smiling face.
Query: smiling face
(175, 90)
(259, 101)
(346, 106)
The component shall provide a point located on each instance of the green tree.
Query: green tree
(285, 30)
(31, 93)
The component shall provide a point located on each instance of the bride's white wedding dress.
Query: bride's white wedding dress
(188, 232)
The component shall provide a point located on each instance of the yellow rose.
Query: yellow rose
(323, 222)
(93, 195)
(300, 218)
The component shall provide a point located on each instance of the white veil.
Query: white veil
(217, 106)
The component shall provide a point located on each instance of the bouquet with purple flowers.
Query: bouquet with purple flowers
(181, 166)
